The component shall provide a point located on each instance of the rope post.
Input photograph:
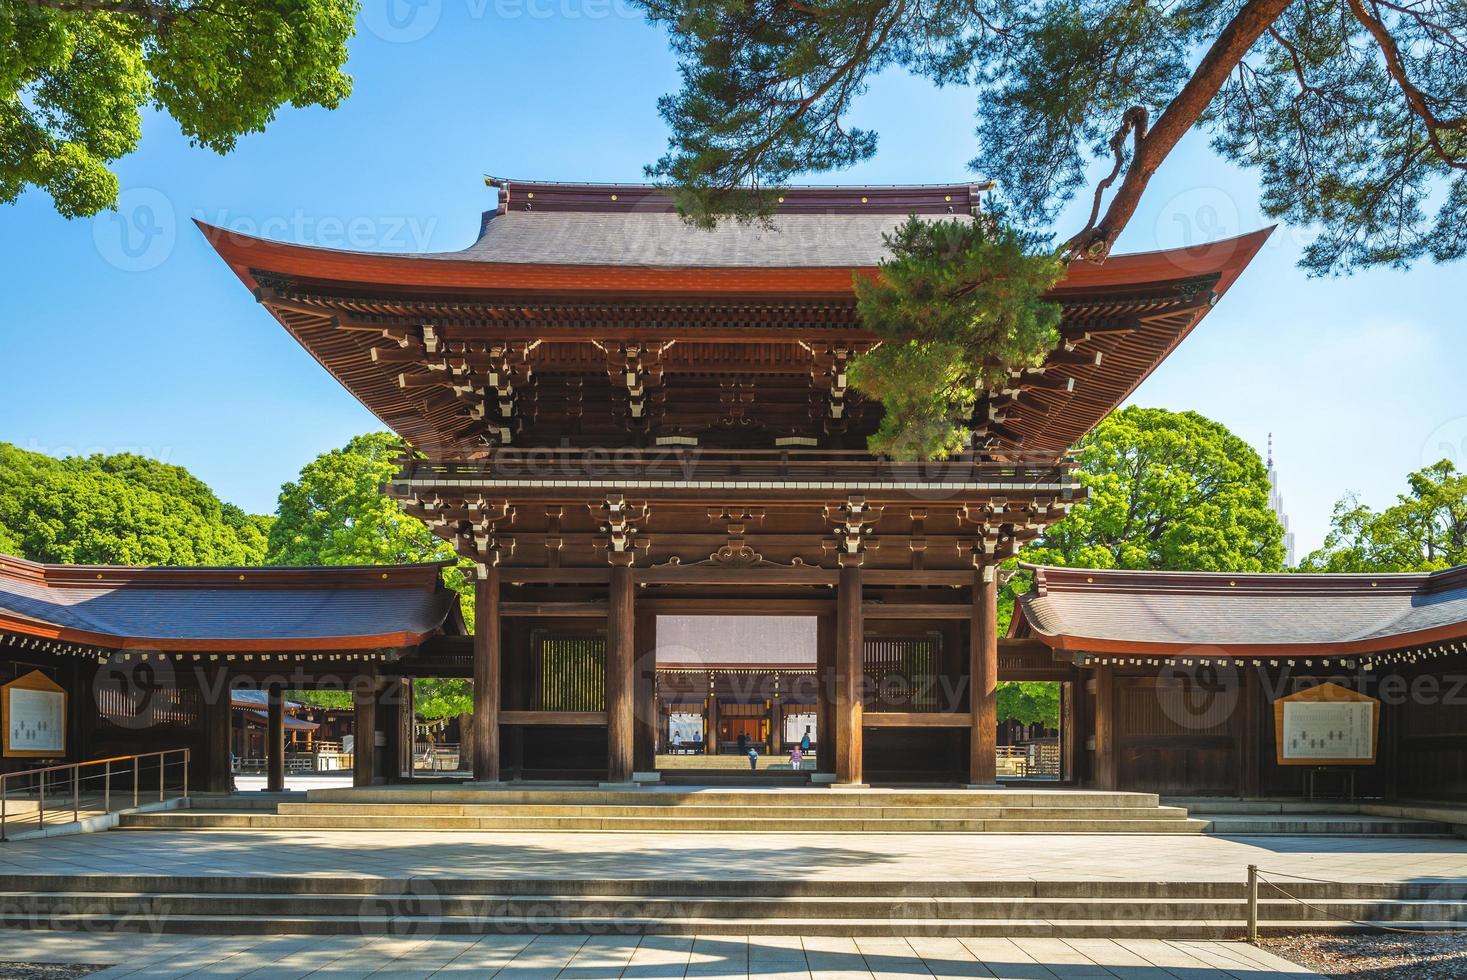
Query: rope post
(1253, 904)
(107, 788)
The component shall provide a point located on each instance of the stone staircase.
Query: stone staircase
(425, 907)
(1256, 818)
(679, 810)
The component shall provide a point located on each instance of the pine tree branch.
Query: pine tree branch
(1094, 242)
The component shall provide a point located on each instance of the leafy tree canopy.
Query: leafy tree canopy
(1425, 530)
(1167, 490)
(960, 306)
(122, 509)
(75, 76)
(1028, 702)
(1354, 112)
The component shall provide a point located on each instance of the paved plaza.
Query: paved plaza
(524, 957)
(863, 857)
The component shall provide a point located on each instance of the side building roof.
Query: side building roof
(1220, 614)
(193, 610)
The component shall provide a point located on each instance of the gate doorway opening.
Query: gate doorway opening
(727, 686)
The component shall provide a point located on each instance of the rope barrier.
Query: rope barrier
(1256, 876)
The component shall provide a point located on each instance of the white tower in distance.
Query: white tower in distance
(1276, 504)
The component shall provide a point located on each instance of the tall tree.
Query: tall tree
(122, 509)
(1167, 490)
(1425, 530)
(75, 76)
(336, 514)
(1354, 111)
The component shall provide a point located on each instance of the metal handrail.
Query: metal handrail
(109, 766)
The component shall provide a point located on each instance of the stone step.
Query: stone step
(676, 797)
(203, 820)
(427, 927)
(753, 911)
(724, 887)
(1322, 824)
(704, 812)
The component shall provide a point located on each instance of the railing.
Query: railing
(437, 757)
(40, 797)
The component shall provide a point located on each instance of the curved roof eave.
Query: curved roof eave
(247, 254)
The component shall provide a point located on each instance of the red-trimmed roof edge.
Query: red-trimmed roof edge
(244, 253)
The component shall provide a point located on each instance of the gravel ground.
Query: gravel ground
(1391, 956)
(46, 971)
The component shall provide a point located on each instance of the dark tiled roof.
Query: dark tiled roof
(1103, 611)
(253, 608)
(840, 240)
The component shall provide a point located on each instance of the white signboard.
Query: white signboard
(1329, 730)
(36, 721)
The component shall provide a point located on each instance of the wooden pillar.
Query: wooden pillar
(218, 736)
(620, 667)
(1105, 730)
(644, 748)
(275, 740)
(776, 722)
(710, 743)
(850, 645)
(486, 675)
(983, 678)
(825, 695)
(364, 751)
(389, 721)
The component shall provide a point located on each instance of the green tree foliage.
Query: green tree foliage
(75, 76)
(1425, 530)
(1167, 490)
(1028, 702)
(960, 305)
(122, 509)
(336, 514)
(1353, 111)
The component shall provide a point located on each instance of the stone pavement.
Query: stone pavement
(865, 857)
(524, 957)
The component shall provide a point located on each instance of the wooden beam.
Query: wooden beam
(577, 610)
(917, 610)
(487, 637)
(917, 719)
(567, 719)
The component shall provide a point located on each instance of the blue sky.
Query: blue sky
(127, 333)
